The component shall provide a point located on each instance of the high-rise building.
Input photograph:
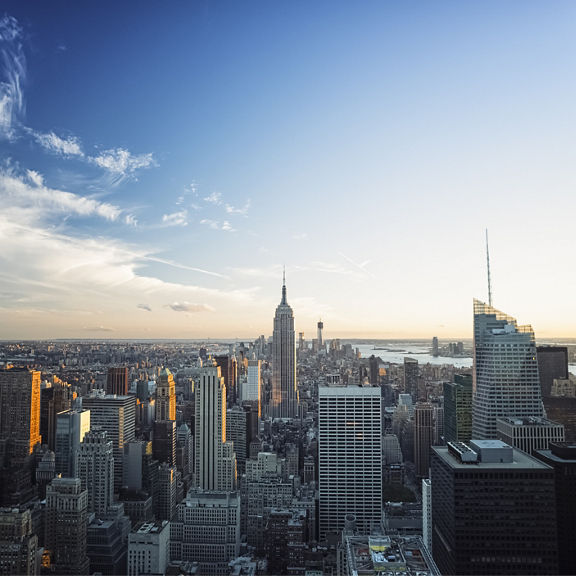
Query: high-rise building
(552, 364)
(229, 371)
(165, 396)
(251, 389)
(423, 437)
(427, 513)
(505, 375)
(350, 456)
(435, 347)
(55, 397)
(164, 442)
(149, 548)
(117, 415)
(284, 393)
(458, 409)
(215, 459)
(206, 530)
(71, 427)
(117, 380)
(562, 458)
(236, 433)
(320, 340)
(19, 414)
(493, 510)
(95, 468)
(411, 377)
(18, 543)
(66, 524)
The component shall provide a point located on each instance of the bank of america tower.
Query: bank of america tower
(506, 380)
(284, 394)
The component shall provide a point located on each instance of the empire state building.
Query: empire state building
(284, 395)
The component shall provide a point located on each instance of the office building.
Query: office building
(165, 396)
(284, 394)
(206, 530)
(55, 397)
(117, 381)
(350, 456)
(71, 427)
(95, 468)
(562, 458)
(149, 548)
(165, 496)
(423, 437)
(117, 415)
(411, 377)
(251, 388)
(66, 524)
(505, 375)
(229, 371)
(164, 441)
(321, 345)
(493, 510)
(236, 433)
(184, 450)
(427, 514)
(552, 365)
(18, 543)
(215, 459)
(529, 434)
(458, 409)
(19, 414)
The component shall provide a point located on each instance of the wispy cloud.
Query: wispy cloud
(12, 76)
(300, 236)
(122, 164)
(97, 329)
(144, 307)
(65, 146)
(33, 201)
(240, 211)
(214, 198)
(217, 225)
(191, 308)
(176, 218)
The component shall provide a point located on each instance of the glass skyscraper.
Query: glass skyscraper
(505, 377)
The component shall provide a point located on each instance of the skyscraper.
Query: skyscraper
(505, 376)
(165, 396)
(116, 415)
(71, 427)
(95, 468)
(411, 377)
(458, 408)
(552, 364)
(284, 393)
(215, 458)
(423, 437)
(66, 525)
(19, 413)
(493, 510)
(117, 380)
(350, 456)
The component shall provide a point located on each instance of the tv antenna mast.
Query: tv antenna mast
(488, 269)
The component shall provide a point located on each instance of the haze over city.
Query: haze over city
(160, 163)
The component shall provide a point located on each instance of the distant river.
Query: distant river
(396, 353)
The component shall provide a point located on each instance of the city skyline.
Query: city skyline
(161, 164)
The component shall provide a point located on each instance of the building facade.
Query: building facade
(284, 394)
(350, 456)
(505, 376)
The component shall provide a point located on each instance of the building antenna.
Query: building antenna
(488, 269)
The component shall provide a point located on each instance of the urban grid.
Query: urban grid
(288, 456)
(248, 325)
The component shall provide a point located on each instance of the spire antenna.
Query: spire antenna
(284, 301)
(488, 270)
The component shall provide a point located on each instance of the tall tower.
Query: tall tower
(320, 341)
(19, 414)
(284, 394)
(71, 427)
(423, 437)
(117, 380)
(165, 396)
(350, 456)
(116, 415)
(215, 458)
(66, 525)
(505, 375)
(95, 468)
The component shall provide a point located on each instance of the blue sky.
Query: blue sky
(160, 162)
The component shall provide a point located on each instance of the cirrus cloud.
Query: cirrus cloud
(191, 308)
